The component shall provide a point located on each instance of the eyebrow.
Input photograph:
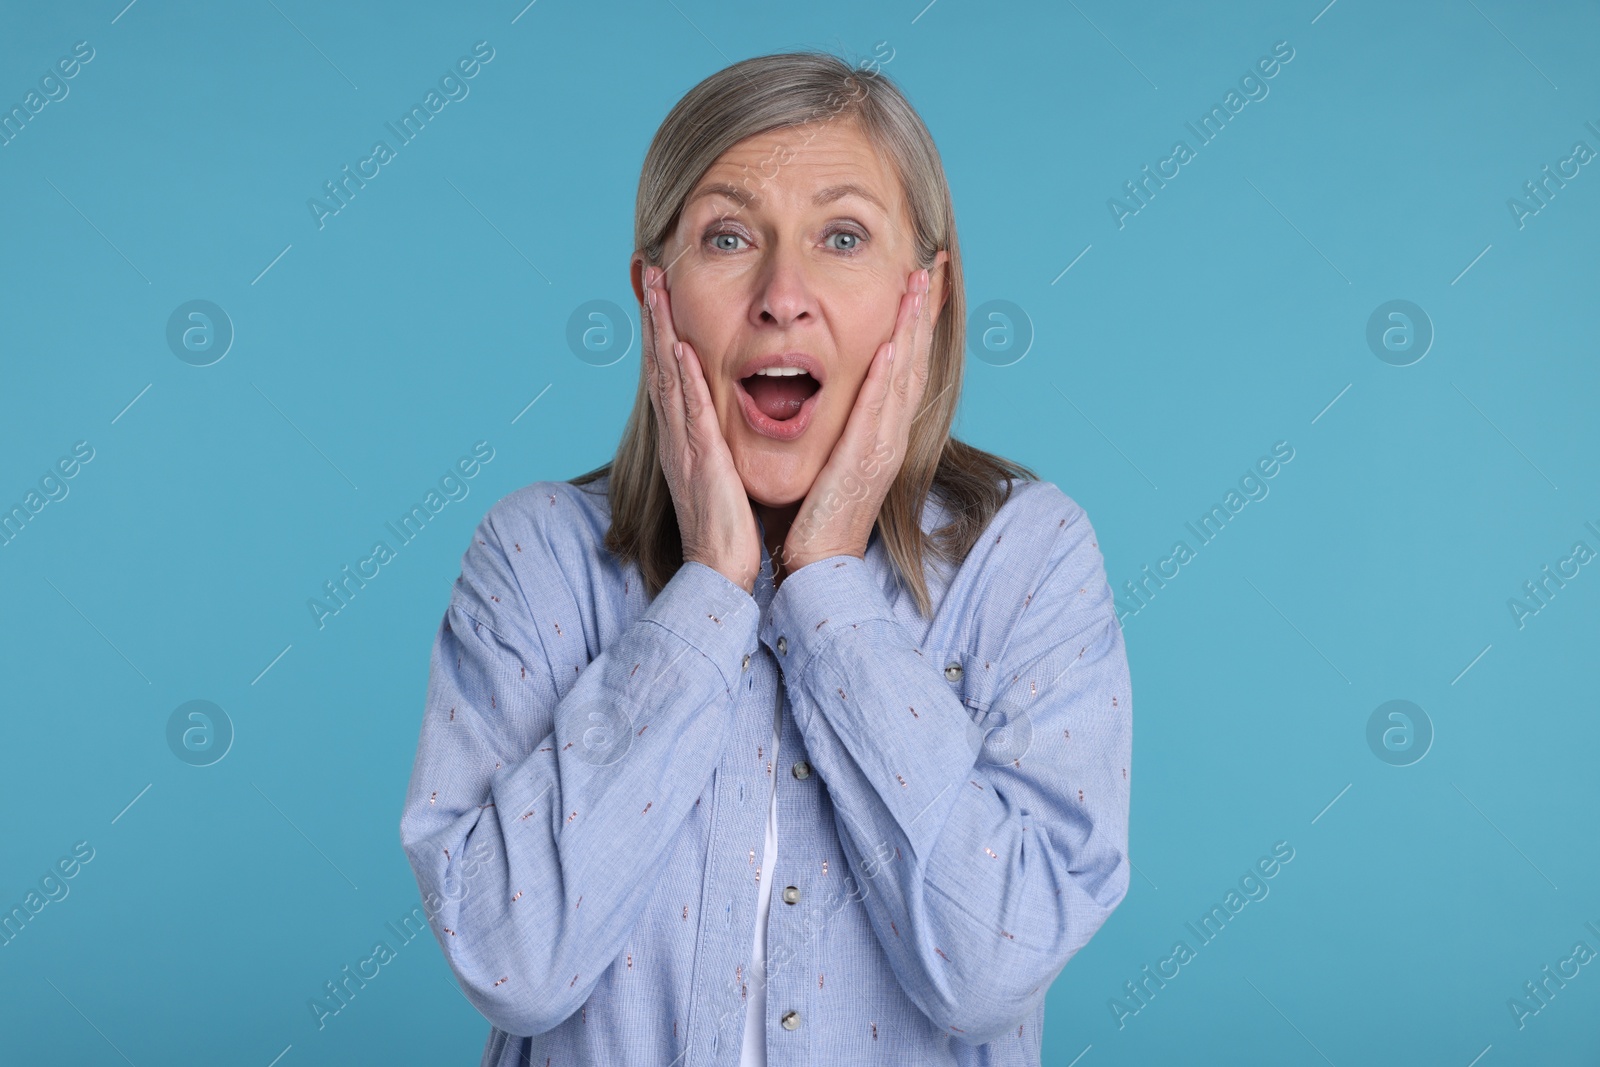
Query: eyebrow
(745, 198)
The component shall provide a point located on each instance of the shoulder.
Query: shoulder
(1063, 567)
(557, 517)
(1039, 543)
(1036, 525)
(535, 550)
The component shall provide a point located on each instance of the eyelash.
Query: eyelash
(859, 235)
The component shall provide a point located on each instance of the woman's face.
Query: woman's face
(795, 244)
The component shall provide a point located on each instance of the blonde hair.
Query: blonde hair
(752, 97)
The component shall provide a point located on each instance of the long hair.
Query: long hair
(752, 97)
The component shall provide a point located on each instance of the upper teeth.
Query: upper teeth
(781, 372)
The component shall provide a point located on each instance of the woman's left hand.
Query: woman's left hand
(838, 513)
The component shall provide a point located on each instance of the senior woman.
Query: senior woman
(800, 732)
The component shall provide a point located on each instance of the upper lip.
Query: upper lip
(806, 363)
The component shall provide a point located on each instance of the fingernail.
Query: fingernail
(650, 298)
(677, 350)
(891, 352)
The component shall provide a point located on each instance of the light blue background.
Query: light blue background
(1225, 316)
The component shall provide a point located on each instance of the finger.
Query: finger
(877, 399)
(698, 410)
(666, 379)
(904, 340)
(666, 338)
(667, 434)
(647, 317)
(922, 344)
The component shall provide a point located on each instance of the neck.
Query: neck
(775, 523)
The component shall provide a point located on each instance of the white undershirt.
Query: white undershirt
(754, 1053)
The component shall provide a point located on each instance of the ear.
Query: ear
(938, 277)
(636, 275)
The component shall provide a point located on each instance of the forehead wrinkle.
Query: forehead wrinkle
(822, 156)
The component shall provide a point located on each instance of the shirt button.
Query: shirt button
(791, 895)
(952, 672)
(791, 1020)
(746, 664)
(802, 769)
(783, 645)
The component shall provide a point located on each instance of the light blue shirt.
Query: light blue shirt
(588, 806)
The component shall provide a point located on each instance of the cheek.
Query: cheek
(870, 314)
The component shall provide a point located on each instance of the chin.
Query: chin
(776, 489)
(773, 495)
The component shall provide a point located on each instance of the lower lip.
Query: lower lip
(761, 423)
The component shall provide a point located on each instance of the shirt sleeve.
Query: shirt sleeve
(987, 863)
(545, 793)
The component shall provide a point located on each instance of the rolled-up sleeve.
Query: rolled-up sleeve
(988, 866)
(546, 788)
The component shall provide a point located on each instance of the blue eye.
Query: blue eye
(854, 237)
(714, 237)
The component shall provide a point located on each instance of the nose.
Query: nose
(784, 296)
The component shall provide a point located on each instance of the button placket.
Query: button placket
(735, 821)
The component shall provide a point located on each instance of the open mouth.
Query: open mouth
(780, 396)
(779, 406)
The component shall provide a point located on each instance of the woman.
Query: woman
(792, 610)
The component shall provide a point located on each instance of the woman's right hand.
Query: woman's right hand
(715, 519)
